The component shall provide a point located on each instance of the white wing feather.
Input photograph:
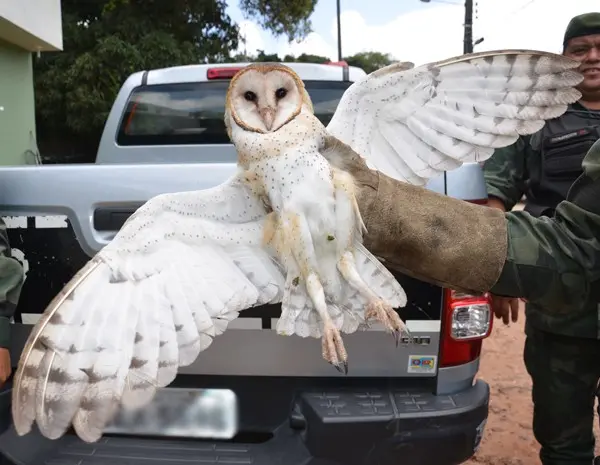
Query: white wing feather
(414, 123)
(177, 273)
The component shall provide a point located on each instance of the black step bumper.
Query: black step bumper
(326, 428)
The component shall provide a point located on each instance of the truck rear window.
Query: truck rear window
(192, 113)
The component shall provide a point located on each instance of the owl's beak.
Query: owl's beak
(268, 116)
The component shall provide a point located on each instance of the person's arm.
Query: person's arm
(474, 248)
(11, 283)
(505, 174)
(556, 262)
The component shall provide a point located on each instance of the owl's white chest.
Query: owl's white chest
(299, 179)
(290, 170)
(288, 165)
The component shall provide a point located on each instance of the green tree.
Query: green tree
(107, 40)
(370, 61)
(262, 57)
(281, 17)
(307, 58)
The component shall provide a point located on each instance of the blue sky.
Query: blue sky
(411, 30)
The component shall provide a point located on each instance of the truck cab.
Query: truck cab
(418, 403)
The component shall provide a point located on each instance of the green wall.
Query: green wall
(17, 107)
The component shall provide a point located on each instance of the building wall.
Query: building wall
(17, 105)
(35, 25)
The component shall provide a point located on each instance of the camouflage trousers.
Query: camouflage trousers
(565, 372)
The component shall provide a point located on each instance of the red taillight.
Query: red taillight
(467, 320)
(458, 349)
(221, 73)
(337, 63)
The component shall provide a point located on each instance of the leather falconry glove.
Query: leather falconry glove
(429, 236)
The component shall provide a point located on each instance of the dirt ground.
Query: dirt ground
(508, 439)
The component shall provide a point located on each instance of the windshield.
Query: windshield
(192, 113)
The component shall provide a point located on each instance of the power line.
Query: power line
(520, 8)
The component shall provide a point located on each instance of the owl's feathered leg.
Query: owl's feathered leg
(349, 234)
(298, 239)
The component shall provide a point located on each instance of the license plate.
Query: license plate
(195, 413)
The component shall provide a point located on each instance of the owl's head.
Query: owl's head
(262, 97)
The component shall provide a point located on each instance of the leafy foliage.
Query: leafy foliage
(369, 61)
(262, 57)
(281, 16)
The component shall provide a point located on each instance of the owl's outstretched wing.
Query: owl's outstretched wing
(414, 123)
(179, 270)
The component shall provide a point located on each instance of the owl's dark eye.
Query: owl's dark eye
(250, 96)
(280, 93)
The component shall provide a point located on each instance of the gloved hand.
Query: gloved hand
(429, 236)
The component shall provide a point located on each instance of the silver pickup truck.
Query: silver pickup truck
(419, 403)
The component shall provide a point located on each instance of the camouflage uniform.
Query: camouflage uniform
(11, 282)
(559, 349)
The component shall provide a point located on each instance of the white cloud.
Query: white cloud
(253, 36)
(529, 24)
(420, 36)
(313, 44)
(409, 37)
(434, 33)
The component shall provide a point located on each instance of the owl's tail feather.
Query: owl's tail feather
(379, 279)
(299, 316)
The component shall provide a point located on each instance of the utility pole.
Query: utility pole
(339, 31)
(468, 38)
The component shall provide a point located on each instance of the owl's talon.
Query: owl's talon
(334, 351)
(398, 333)
(385, 313)
(341, 367)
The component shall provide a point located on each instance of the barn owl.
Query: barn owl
(284, 229)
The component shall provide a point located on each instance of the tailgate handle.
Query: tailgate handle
(111, 218)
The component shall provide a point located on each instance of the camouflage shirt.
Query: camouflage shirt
(555, 262)
(11, 282)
